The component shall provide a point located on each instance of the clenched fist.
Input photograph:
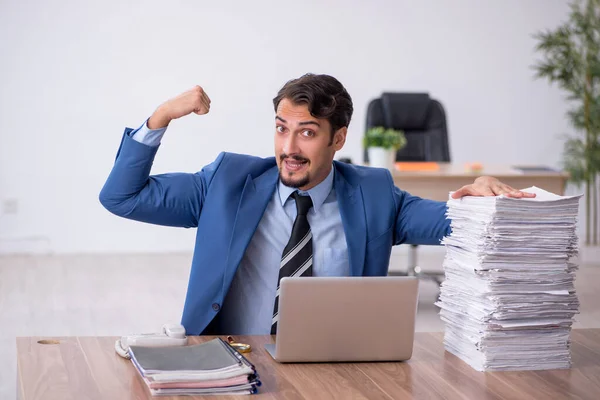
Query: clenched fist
(194, 100)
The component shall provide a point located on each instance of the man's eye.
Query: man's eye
(280, 128)
(308, 133)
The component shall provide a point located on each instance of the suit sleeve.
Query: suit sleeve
(419, 221)
(173, 199)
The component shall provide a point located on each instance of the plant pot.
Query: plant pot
(381, 158)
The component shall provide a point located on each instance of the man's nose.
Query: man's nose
(290, 145)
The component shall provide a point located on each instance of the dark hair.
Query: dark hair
(324, 95)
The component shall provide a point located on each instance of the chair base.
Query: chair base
(415, 270)
(437, 277)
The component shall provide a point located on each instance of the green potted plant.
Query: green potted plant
(571, 59)
(382, 144)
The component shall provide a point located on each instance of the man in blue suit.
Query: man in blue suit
(246, 209)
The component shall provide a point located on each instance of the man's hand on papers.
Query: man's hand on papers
(489, 186)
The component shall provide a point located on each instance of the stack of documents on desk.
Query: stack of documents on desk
(212, 367)
(508, 300)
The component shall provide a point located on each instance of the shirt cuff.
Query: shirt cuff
(147, 136)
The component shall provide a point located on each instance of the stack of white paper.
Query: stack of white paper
(508, 300)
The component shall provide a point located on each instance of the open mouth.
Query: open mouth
(292, 165)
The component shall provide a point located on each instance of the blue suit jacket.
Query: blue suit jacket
(226, 200)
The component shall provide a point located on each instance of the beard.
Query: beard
(294, 179)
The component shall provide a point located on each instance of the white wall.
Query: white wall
(73, 74)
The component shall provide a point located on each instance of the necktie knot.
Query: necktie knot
(303, 203)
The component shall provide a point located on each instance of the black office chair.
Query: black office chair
(423, 121)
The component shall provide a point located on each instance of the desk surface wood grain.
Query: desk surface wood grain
(88, 368)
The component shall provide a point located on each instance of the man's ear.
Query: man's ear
(339, 138)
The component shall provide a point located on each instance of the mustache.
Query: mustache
(283, 157)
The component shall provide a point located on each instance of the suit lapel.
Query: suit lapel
(350, 201)
(253, 201)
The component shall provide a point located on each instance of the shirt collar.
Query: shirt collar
(318, 194)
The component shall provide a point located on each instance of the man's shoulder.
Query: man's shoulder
(248, 159)
(358, 174)
(244, 164)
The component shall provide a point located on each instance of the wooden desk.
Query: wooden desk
(436, 185)
(87, 367)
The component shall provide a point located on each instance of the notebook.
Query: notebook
(534, 168)
(213, 367)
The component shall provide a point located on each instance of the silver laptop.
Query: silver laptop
(329, 319)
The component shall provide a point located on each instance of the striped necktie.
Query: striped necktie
(298, 253)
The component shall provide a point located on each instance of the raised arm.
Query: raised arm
(168, 199)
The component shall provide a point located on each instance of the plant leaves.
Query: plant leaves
(379, 136)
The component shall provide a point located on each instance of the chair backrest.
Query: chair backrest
(422, 119)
